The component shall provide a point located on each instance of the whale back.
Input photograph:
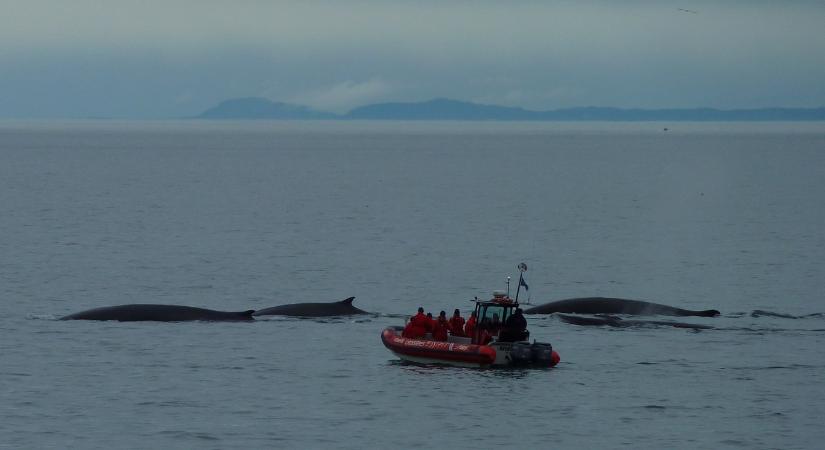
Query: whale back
(609, 305)
(339, 308)
(607, 320)
(159, 313)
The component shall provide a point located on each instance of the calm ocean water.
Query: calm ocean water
(238, 216)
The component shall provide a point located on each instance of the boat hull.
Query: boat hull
(461, 354)
(424, 351)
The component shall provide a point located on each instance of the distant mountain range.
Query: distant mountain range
(446, 109)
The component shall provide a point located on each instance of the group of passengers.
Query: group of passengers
(421, 324)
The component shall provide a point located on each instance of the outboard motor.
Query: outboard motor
(542, 354)
(521, 354)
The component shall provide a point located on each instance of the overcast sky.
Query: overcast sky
(172, 58)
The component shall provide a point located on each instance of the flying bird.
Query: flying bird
(688, 11)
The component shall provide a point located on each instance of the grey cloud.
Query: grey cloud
(174, 58)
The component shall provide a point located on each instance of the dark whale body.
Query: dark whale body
(612, 321)
(607, 305)
(159, 313)
(342, 308)
(761, 313)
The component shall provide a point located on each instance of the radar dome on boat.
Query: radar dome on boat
(499, 294)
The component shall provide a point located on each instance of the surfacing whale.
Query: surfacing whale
(159, 313)
(761, 313)
(342, 308)
(611, 321)
(607, 305)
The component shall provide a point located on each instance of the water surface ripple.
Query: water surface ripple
(239, 216)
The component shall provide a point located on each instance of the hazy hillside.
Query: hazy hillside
(447, 109)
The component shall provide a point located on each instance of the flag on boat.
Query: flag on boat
(521, 282)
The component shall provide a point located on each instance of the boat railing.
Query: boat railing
(459, 339)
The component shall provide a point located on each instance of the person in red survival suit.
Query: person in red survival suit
(420, 324)
(441, 327)
(470, 327)
(409, 330)
(432, 322)
(457, 324)
(484, 335)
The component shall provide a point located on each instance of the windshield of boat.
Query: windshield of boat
(494, 313)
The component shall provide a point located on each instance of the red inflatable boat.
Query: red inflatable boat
(493, 343)
(427, 351)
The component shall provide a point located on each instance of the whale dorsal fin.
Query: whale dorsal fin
(347, 301)
(248, 312)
